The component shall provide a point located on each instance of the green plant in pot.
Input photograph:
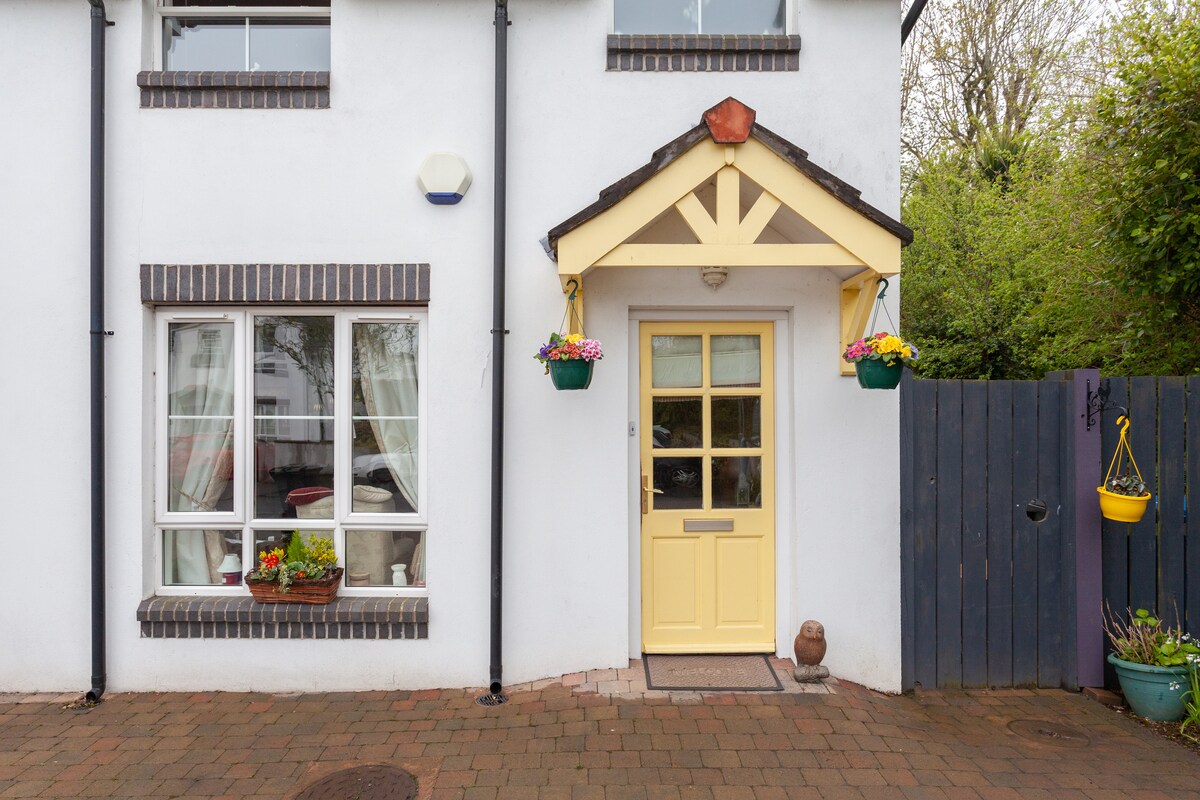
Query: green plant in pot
(1154, 663)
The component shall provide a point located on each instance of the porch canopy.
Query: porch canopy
(730, 193)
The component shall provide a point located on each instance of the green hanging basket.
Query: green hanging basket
(873, 373)
(574, 373)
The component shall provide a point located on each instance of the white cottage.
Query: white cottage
(327, 238)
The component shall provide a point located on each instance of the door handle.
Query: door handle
(647, 490)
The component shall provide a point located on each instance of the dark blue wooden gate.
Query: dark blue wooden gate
(997, 592)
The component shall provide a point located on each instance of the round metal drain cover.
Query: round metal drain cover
(372, 782)
(1055, 733)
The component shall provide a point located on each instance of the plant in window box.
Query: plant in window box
(306, 572)
(879, 360)
(569, 360)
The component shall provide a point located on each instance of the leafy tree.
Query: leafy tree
(976, 268)
(1146, 143)
(1072, 242)
(989, 68)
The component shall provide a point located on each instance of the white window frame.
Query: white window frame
(789, 10)
(165, 8)
(242, 518)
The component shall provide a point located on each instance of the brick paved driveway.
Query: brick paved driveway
(568, 742)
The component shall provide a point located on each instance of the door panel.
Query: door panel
(739, 585)
(676, 564)
(707, 459)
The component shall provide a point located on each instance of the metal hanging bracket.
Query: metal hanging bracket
(1097, 403)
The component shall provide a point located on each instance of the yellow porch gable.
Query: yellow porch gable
(710, 200)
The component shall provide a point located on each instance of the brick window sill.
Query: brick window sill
(703, 53)
(234, 89)
(241, 617)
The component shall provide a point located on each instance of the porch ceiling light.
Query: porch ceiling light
(444, 178)
(714, 276)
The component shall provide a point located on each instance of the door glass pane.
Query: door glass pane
(675, 361)
(195, 558)
(736, 361)
(736, 421)
(743, 16)
(193, 45)
(384, 455)
(677, 422)
(294, 430)
(655, 16)
(289, 44)
(200, 429)
(681, 482)
(385, 558)
(737, 482)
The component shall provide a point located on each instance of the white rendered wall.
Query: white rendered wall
(223, 186)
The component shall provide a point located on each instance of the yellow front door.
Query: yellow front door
(708, 487)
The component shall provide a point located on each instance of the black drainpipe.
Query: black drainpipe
(97, 334)
(910, 19)
(498, 333)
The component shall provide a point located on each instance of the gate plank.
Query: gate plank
(924, 505)
(1143, 550)
(1025, 550)
(1192, 440)
(1049, 538)
(1114, 535)
(999, 532)
(949, 534)
(1172, 597)
(974, 533)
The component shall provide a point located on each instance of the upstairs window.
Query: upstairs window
(765, 17)
(253, 35)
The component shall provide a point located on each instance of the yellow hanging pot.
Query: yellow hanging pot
(1122, 507)
(1123, 498)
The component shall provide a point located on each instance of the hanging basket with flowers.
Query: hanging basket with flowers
(1123, 497)
(879, 359)
(570, 357)
(569, 360)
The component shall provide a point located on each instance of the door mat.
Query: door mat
(738, 673)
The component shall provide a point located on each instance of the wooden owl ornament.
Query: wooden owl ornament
(810, 643)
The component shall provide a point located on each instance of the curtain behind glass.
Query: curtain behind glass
(200, 373)
(386, 365)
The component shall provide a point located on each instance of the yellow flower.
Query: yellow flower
(574, 338)
(906, 352)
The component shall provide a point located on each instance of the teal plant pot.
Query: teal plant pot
(1152, 692)
(573, 374)
(874, 374)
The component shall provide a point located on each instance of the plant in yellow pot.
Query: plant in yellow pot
(1123, 497)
